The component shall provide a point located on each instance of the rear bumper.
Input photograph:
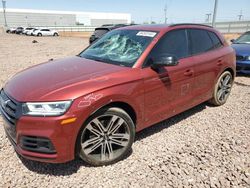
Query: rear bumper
(243, 67)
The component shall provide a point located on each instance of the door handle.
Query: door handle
(189, 72)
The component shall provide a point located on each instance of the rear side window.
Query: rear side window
(172, 43)
(215, 39)
(200, 41)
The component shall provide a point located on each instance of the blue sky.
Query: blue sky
(146, 10)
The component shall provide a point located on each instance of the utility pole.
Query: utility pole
(215, 12)
(165, 11)
(26, 18)
(240, 15)
(4, 13)
(208, 17)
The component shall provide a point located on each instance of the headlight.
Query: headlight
(248, 58)
(46, 108)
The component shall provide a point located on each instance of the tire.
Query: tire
(55, 35)
(222, 89)
(39, 34)
(106, 137)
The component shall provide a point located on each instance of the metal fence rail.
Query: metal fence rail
(70, 28)
(232, 27)
(223, 27)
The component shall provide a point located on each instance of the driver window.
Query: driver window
(172, 43)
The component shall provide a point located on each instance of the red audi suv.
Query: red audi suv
(91, 105)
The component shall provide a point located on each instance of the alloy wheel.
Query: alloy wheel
(224, 88)
(105, 138)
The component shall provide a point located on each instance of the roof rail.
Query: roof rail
(180, 24)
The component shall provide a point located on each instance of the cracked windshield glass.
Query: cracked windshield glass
(120, 47)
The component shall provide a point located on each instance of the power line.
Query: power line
(208, 17)
(240, 15)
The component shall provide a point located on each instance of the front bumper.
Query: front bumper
(243, 67)
(43, 139)
(61, 137)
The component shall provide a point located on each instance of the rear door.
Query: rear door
(43, 31)
(48, 32)
(204, 49)
(168, 90)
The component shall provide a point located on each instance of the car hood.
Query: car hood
(63, 79)
(242, 49)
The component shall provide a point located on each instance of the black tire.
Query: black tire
(39, 34)
(222, 91)
(55, 35)
(117, 151)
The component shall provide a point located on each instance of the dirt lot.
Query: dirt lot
(203, 147)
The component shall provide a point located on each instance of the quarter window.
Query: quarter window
(216, 41)
(200, 41)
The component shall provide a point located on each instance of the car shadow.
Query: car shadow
(171, 121)
(72, 167)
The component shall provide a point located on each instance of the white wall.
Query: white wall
(18, 17)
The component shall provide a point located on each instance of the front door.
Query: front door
(168, 90)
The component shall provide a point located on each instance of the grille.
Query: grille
(238, 68)
(247, 69)
(9, 110)
(240, 58)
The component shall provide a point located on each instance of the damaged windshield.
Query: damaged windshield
(120, 47)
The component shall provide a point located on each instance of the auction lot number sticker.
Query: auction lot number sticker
(146, 34)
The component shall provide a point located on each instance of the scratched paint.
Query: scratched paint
(185, 89)
(97, 78)
(89, 99)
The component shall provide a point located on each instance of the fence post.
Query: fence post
(229, 27)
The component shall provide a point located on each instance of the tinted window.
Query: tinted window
(100, 32)
(173, 43)
(216, 41)
(200, 41)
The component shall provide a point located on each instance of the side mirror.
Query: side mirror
(232, 40)
(164, 61)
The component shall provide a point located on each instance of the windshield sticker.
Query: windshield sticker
(146, 34)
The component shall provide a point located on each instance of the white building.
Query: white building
(28, 17)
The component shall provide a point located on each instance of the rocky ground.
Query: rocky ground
(202, 147)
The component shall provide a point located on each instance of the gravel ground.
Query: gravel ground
(203, 147)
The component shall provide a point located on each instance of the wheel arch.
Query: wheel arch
(231, 71)
(124, 106)
(117, 104)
